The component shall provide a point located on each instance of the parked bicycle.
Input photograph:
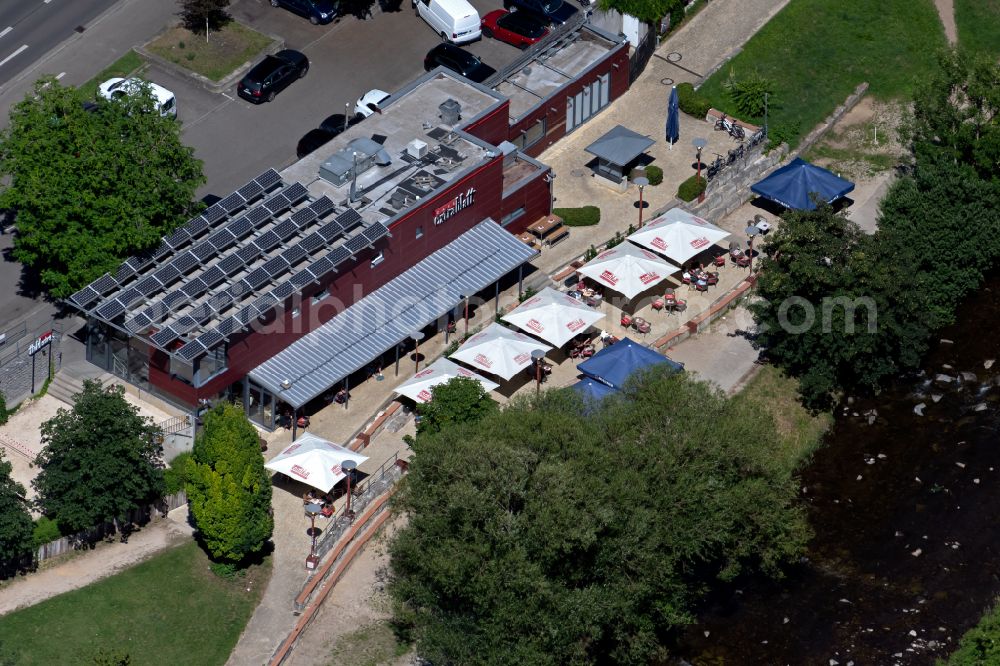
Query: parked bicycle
(758, 137)
(715, 167)
(735, 130)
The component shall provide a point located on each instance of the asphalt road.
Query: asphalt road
(30, 28)
(238, 140)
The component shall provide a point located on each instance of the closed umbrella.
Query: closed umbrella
(628, 269)
(419, 387)
(315, 461)
(553, 316)
(499, 351)
(673, 118)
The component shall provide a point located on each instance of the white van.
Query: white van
(456, 21)
(166, 104)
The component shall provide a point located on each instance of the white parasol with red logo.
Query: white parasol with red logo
(678, 234)
(314, 461)
(499, 351)
(628, 269)
(419, 387)
(553, 316)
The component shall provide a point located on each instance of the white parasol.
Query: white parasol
(420, 385)
(628, 269)
(553, 316)
(499, 351)
(314, 461)
(678, 234)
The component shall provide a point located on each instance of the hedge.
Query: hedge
(46, 531)
(692, 102)
(691, 188)
(654, 174)
(175, 477)
(585, 216)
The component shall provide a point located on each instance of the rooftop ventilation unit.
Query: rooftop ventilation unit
(451, 112)
(361, 154)
(416, 149)
(509, 151)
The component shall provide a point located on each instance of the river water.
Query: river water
(906, 511)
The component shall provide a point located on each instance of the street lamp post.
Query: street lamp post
(536, 356)
(348, 467)
(417, 337)
(465, 299)
(642, 182)
(751, 231)
(699, 143)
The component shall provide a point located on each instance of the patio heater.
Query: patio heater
(641, 182)
(312, 560)
(417, 336)
(751, 231)
(348, 467)
(699, 143)
(466, 310)
(536, 357)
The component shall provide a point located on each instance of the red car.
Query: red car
(520, 29)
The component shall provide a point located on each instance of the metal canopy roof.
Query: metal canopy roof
(620, 145)
(242, 257)
(388, 315)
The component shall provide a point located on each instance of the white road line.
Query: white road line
(13, 55)
(48, 1)
(60, 75)
(6, 30)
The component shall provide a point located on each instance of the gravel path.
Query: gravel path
(946, 9)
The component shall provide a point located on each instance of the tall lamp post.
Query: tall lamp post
(536, 356)
(699, 143)
(466, 313)
(417, 337)
(752, 231)
(642, 182)
(348, 467)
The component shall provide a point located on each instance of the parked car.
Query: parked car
(520, 29)
(335, 123)
(317, 11)
(272, 75)
(117, 88)
(456, 21)
(552, 11)
(458, 60)
(370, 102)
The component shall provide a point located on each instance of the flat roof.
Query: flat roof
(557, 63)
(400, 179)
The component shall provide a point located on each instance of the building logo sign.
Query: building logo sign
(40, 343)
(453, 207)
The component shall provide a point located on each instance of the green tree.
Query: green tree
(228, 487)
(552, 533)
(91, 188)
(751, 93)
(648, 11)
(204, 15)
(4, 414)
(460, 400)
(100, 460)
(16, 527)
(981, 644)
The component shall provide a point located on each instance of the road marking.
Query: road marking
(228, 97)
(13, 55)
(48, 1)
(6, 30)
(60, 75)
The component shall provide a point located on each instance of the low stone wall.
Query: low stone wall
(731, 188)
(817, 133)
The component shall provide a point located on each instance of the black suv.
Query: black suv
(317, 11)
(272, 75)
(458, 60)
(551, 11)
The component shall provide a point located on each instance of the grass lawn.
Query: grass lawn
(372, 645)
(978, 24)
(801, 432)
(128, 64)
(817, 51)
(221, 55)
(169, 609)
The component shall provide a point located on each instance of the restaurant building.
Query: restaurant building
(303, 281)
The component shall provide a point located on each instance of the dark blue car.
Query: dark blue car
(556, 12)
(317, 11)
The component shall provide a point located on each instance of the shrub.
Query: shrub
(176, 476)
(654, 174)
(749, 93)
(46, 531)
(585, 216)
(692, 102)
(4, 414)
(691, 188)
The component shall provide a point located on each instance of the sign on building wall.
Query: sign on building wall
(453, 207)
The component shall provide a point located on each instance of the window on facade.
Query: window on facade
(531, 136)
(211, 364)
(181, 370)
(420, 232)
(378, 259)
(511, 216)
(320, 296)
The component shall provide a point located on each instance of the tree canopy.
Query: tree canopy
(551, 532)
(16, 527)
(91, 188)
(648, 11)
(100, 460)
(460, 400)
(228, 487)
(201, 14)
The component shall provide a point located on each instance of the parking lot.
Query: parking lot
(238, 140)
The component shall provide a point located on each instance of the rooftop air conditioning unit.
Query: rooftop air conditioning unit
(416, 149)
(286, 384)
(451, 111)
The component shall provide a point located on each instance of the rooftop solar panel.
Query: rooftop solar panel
(229, 326)
(233, 202)
(294, 255)
(302, 217)
(257, 278)
(162, 250)
(268, 179)
(148, 285)
(211, 338)
(85, 297)
(104, 284)
(265, 303)
(164, 337)
(110, 310)
(194, 288)
(191, 350)
(321, 267)
(330, 230)
(376, 232)
(137, 261)
(167, 274)
(250, 190)
(279, 202)
(220, 301)
(321, 206)
(246, 315)
(302, 278)
(174, 299)
(349, 219)
(241, 227)
(248, 253)
(312, 242)
(356, 244)
(229, 264)
(275, 266)
(124, 272)
(221, 239)
(201, 313)
(285, 229)
(296, 192)
(259, 215)
(214, 213)
(197, 226)
(178, 238)
(338, 256)
(130, 296)
(184, 324)
(283, 290)
(156, 312)
(213, 276)
(138, 323)
(185, 262)
(203, 251)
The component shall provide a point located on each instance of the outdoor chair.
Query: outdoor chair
(743, 261)
(713, 279)
(626, 321)
(658, 304)
(720, 260)
(643, 327)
